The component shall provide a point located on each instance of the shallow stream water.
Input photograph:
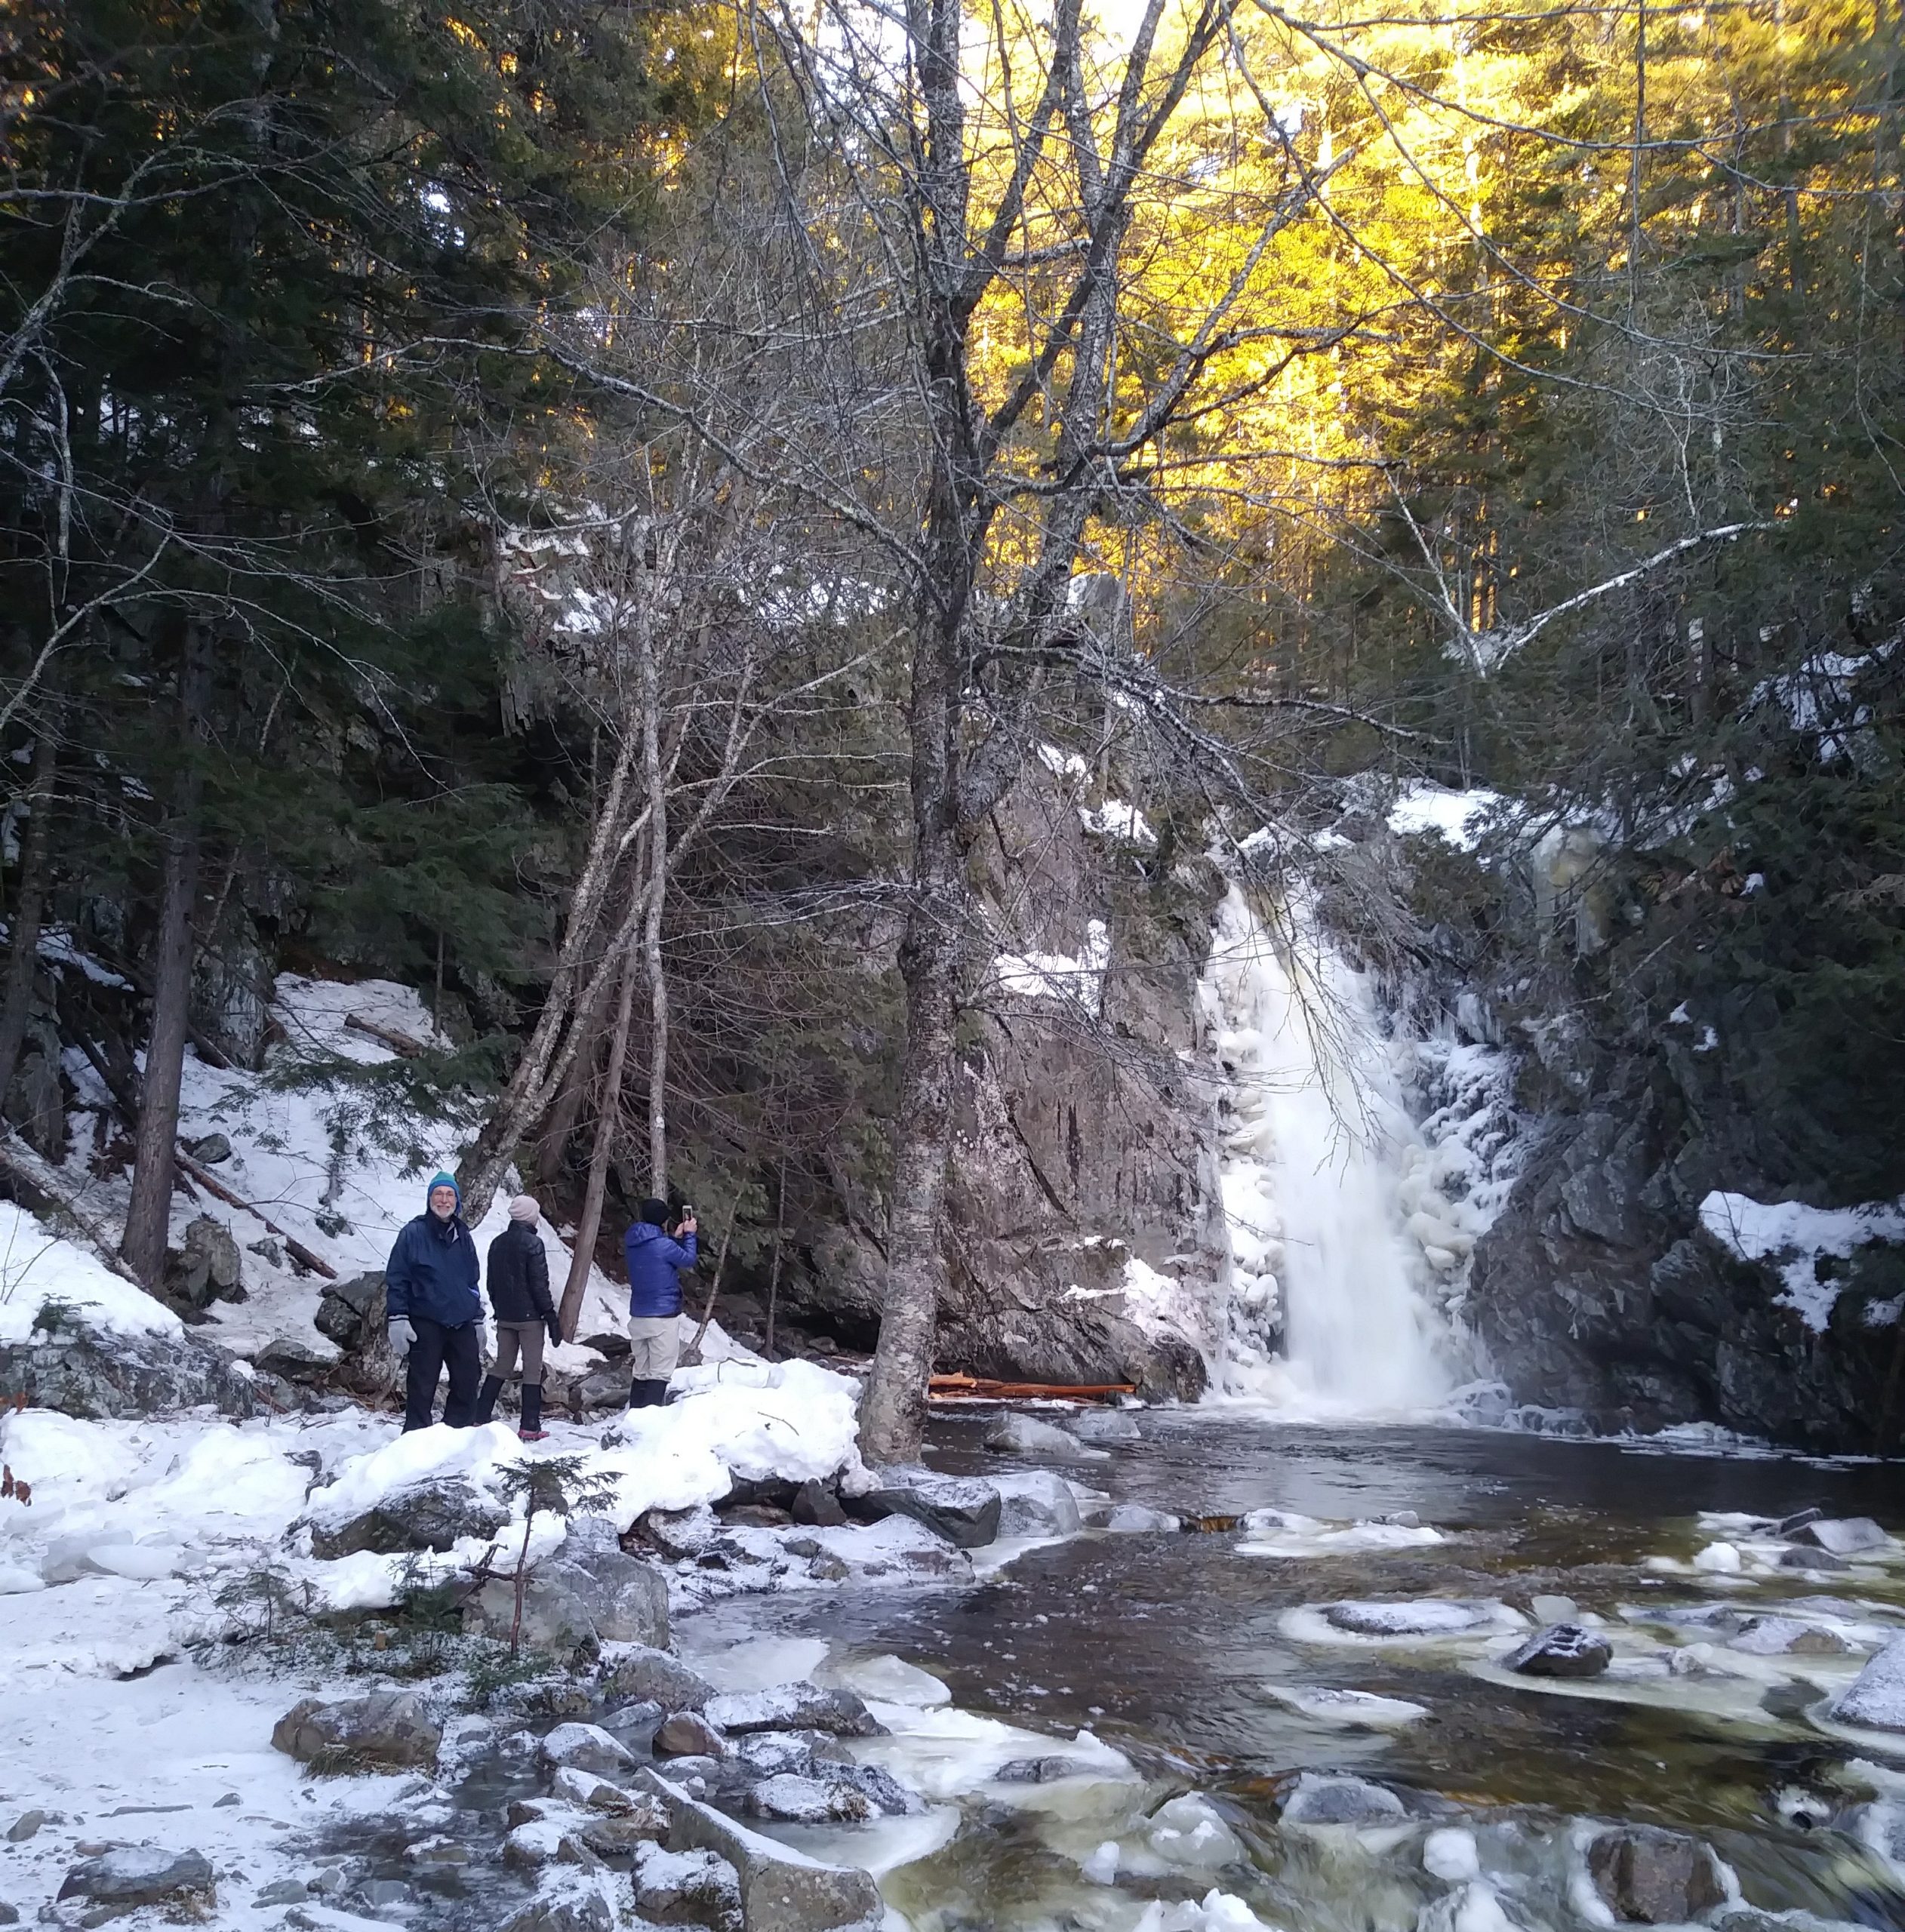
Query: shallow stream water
(1171, 1648)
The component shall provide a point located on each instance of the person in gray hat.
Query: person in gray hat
(518, 1285)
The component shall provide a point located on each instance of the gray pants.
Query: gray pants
(654, 1344)
(526, 1336)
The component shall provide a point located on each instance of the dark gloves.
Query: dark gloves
(554, 1328)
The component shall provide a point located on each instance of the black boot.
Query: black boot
(644, 1394)
(532, 1429)
(486, 1399)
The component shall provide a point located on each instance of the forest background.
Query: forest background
(588, 508)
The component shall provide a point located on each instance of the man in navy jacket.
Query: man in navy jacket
(655, 1262)
(429, 1292)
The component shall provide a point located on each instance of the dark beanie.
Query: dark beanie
(654, 1212)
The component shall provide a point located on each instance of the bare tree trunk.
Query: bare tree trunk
(582, 1254)
(25, 927)
(657, 895)
(560, 1128)
(774, 1274)
(149, 1215)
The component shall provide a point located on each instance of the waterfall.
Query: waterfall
(1336, 1230)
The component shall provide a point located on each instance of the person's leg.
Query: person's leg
(662, 1356)
(462, 1353)
(532, 1429)
(505, 1357)
(420, 1372)
(530, 1337)
(642, 1333)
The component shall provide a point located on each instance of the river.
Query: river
(1172, 1648)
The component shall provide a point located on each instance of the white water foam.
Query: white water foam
(1332, 1219)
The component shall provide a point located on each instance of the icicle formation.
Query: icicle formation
(1317, 1161)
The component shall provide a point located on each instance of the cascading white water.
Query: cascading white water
(1323, 1183)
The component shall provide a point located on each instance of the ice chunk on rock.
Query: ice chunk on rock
(1327, 1798)
(1562, 1649)
(586, 1747)
(1133, 1518)
(1876, 1700)
(963, 1510)
(1036, 1502)
(1026, 1435)
(1352, 1710)
(1190, 1833)
(1450, 1854)
(1427, 1616)
(1780, 1636)
(1842, 1535)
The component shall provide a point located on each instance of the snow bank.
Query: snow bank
(1456, 817)
(1798, 1237)
(38, 1268)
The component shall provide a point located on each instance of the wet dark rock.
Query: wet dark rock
(387, 1729)
(686, 1734)
(433, 1516)
(644, 1673)
(817, 1506)
(962, 1509)
(1791, 1525)
(1562, 1649)
(1810, 1559)
(96, 1375)
(1038, 1770)
(792, 1707)
(132, 1876)
(1650, 1877)
(293, 1359)
(1321, 1797)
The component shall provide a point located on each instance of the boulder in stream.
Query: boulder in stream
(1026, 1435)
(962, 1509)
(792, 1707)
(1037, 1502)
(1422, 1617)
(1876, 1700)
(1651, 1878)
(389, 1729)
(1841, 1536)
(1328, 1797)
(1562, 1649)
(640, 1673)
(131, 1877)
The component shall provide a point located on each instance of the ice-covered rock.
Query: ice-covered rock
(569, 1899)
(1876, 1700)
(1036, 1502)
(1780, 1636)
(962, 1509)
(387, 1729)
(1562, 1649)
(1134, 1518)
(1017, 1435)
(1352, 1710)
(790, 1798)
(1841, 1536)
(1424, 1617)
(1102, 1425)
(1190, 1832)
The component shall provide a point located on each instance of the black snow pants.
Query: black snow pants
(460, 1349)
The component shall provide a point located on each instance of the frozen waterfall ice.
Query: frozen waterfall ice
(1322, 1182)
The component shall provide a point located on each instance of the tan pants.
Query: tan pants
(527, 1336)
(654, 1344)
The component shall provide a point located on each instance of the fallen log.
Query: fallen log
(294, 1247)
(400, 1043)
(979, 1388)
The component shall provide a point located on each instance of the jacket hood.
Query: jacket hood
(641, 1232)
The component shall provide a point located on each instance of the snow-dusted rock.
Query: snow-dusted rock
(793, 1799)
(387, 1729)
(696, 1887)
(132, 1876)
(1320, 1798)
(1562, 1649)
(625, 1599)
(640, 1673)
(962, 1509)
(587, 1747)
(792, 1707)
(1134, 1518)
(1876, 1700)
(1781, 1636)
(429, 1516)
(95, 1373)
(568, 1900)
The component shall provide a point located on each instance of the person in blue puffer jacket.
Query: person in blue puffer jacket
(656, 1261)
(430, 1294)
